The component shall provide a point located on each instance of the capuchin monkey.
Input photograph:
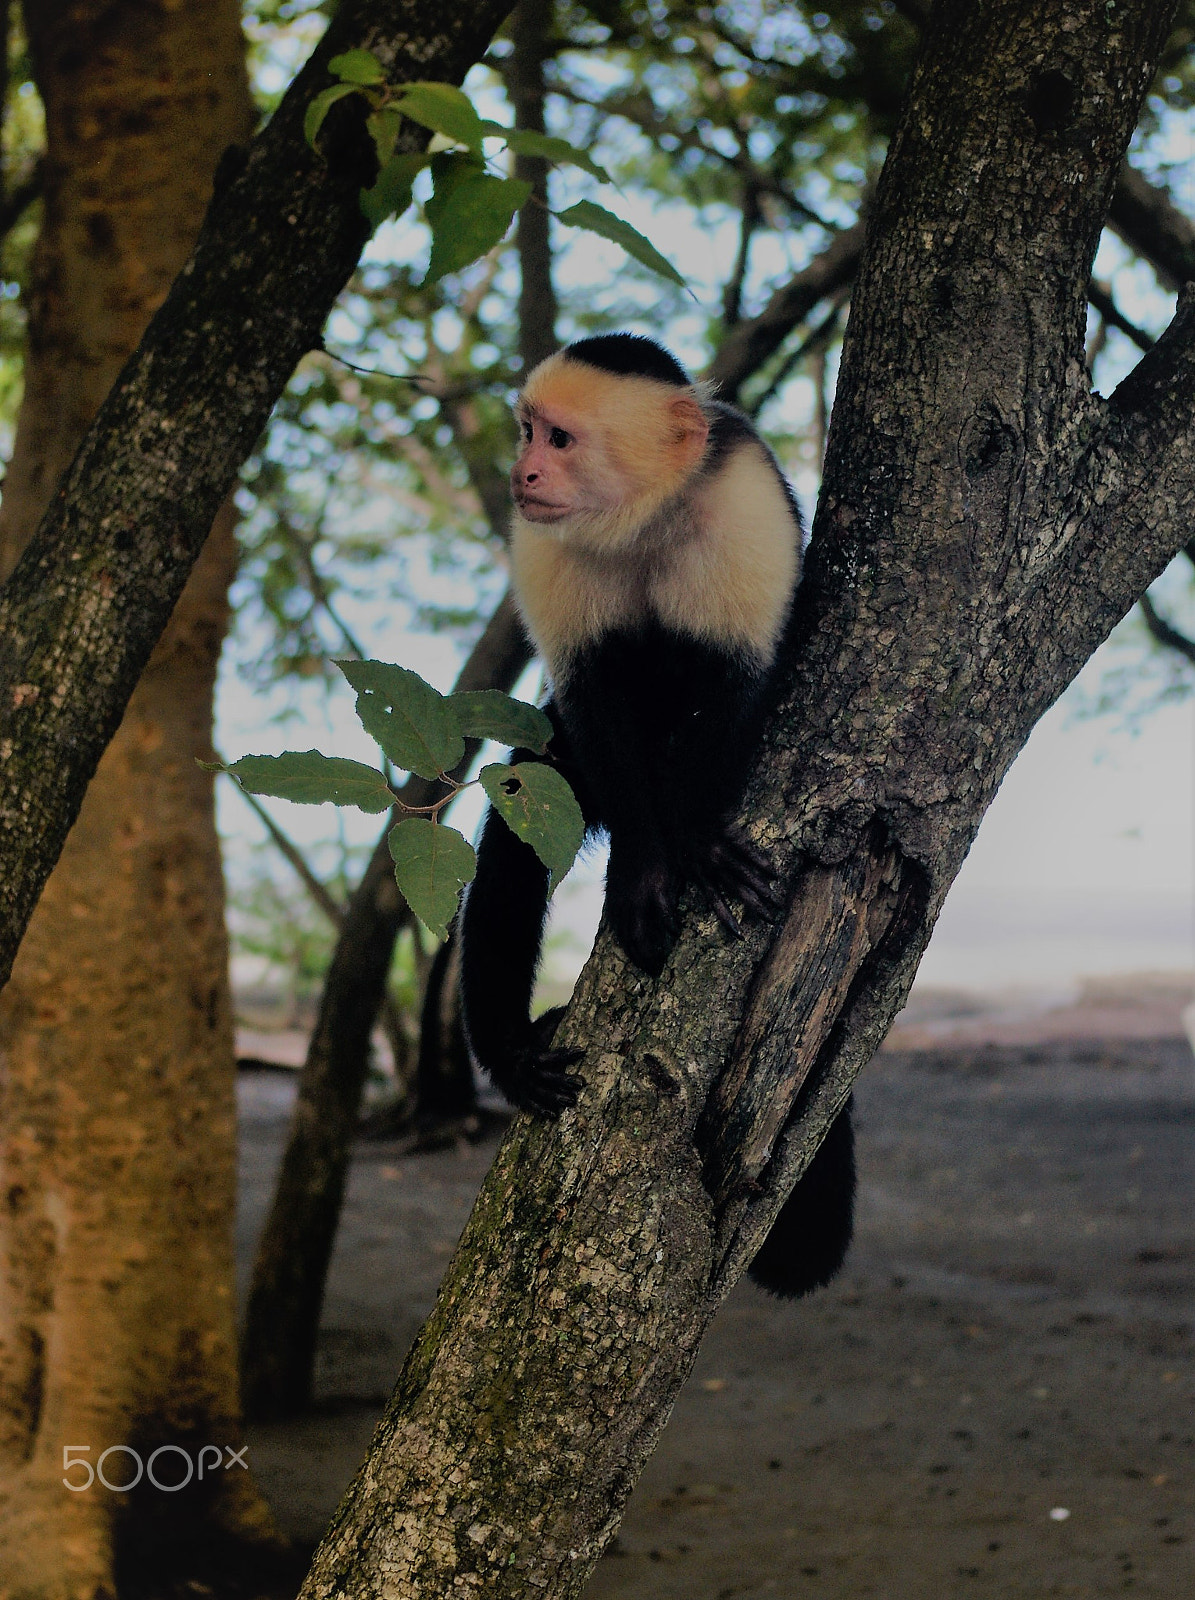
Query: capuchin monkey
(656, 548)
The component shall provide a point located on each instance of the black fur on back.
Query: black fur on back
(629, 355)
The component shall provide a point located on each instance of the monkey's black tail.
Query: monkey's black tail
(810, 1237)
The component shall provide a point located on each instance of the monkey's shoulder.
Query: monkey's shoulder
(734, 580)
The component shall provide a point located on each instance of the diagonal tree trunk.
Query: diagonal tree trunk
(87, 602)
(984, 522)
(116, 1029)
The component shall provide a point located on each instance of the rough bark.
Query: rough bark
(90, 597)
(118, 1119)
(984, 522)
(291, 1268)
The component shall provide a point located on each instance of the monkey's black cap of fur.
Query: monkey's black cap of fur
(630, 355)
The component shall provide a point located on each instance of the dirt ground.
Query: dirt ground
(998, 1396)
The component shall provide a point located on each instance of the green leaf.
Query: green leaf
(538, 805)
(313, 119)
(444, 109)
(450, 168)
(526, 142)
(313, 779)
(383, 128)
(432, 864)
(490, 714)
(357, 66)
(413, 723)
(475, 217)
(391, 194)
(595, 218)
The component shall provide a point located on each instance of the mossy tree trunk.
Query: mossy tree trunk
(118, 1121)
(984, 522)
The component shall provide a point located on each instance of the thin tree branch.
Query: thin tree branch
(286, 847)
(1164, 633)
(20, 197)
(748, 345)
(1100, 297)
(749, 218)
(817, 339)
(1150, 223)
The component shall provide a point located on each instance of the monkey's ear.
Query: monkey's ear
(691, 429)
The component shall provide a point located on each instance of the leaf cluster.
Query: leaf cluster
(471, 207)
(423, 731)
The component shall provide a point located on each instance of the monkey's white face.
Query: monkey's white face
(600, 450)
(554, 476)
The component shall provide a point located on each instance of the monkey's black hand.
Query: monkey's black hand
(539, 1081)
(732, 867)
(641, 904)
(534, 1077)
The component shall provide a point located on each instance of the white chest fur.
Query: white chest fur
(720, 563)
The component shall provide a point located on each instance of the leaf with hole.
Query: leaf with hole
(477, 215)
(490, 714)
(312, 779)
(313, 119)
(444, 109)
(596, 219)
(413, 723)
(432, 864)
(357, 66)
(537, 804)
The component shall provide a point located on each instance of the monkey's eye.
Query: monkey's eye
(558, 439)
(527, 430)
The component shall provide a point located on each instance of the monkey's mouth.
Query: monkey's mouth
(540, 510)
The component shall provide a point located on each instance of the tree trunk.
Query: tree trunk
(984, 522)
(88, 600)
(116, 1029)
(531, 28)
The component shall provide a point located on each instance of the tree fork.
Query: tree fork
(972, 484)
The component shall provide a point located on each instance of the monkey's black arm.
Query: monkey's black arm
(502, 924)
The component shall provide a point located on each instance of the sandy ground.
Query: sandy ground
(997, 1398)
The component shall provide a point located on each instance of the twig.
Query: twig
(1164, 633)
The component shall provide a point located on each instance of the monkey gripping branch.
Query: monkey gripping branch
(984, 522)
